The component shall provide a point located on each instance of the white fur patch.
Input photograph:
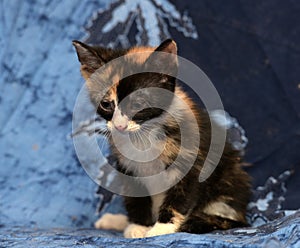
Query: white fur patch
(116, 222)
(221, 209)
(161, 228)
(133, 126)
(134, 231)
(119, 119)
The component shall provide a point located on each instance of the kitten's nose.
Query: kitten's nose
(121, 127)
(119, 120)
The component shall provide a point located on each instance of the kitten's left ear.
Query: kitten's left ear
(89, 57)
(162, 59)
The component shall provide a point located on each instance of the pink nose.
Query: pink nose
(121, 127)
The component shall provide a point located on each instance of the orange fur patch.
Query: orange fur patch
(141, 53)
(113, 90)
(84, 72)
(178, 218)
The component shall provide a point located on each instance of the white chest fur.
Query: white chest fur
(139, 153)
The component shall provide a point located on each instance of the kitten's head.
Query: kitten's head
(129, 102)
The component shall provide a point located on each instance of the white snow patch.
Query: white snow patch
(221, 118)
(273, 180)
(289, 212)
(262, 204)
(236, 134)
(147, 15)
(246, 231)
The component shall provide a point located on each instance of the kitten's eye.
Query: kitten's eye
(107, 105)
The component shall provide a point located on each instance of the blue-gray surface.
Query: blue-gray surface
(42, 186)
(41, 181)
(282, 233)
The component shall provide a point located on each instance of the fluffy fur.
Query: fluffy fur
(218, 203)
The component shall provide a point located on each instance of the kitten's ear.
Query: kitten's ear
(88, 57)
(162, 59)
(168, 46)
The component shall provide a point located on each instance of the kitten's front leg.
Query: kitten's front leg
(139, 215)
(134, 231)
(168, 222)
(161, 229)
(178, 202)
(109, 221)
(172, 212)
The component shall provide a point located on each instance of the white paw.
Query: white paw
(134, 231)
(160, 229)
(116, 222)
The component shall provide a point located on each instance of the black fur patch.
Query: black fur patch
(139, 85)
(107, 114)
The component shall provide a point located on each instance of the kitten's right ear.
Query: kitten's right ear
(88, 57)
(164, 58)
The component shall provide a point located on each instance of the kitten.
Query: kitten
(219, 203)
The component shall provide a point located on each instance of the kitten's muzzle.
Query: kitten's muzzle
(119, 120)
(121, 128)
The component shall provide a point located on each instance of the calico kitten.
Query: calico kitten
(218, 203)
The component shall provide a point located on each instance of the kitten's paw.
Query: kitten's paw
(134, 231)
(161, 228)
(116, 222)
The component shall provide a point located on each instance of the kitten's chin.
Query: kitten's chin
(122, 132)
